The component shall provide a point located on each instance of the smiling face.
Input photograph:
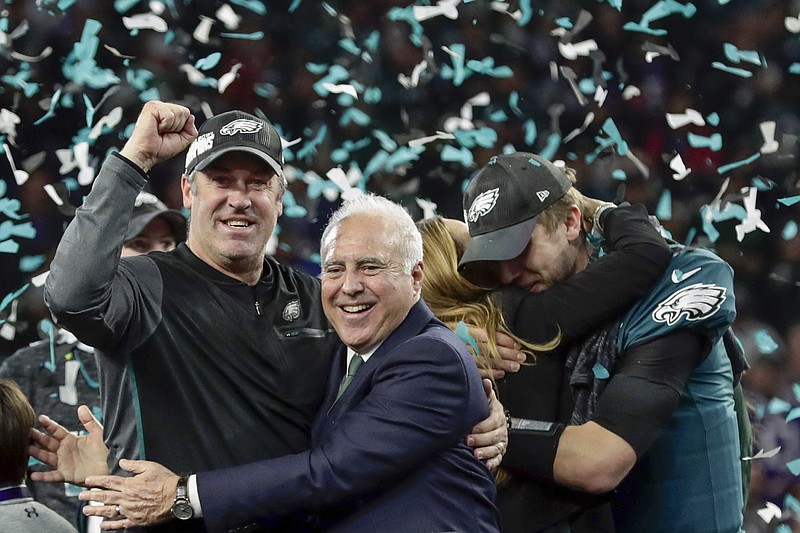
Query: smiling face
(365, 292)
(235, 203)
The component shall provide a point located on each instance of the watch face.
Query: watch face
(182, 510)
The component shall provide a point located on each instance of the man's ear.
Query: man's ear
(417, 276)
(573, 223)
(186, 191)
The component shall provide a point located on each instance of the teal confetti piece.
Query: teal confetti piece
(777, 406)
(123, 6)
(794, 68)
(513, 104)
(782, 528)
(457, 58)
(794, 467)
(355, 116)
(373, 95)
(80, 65)
(713, 119)
(29, 263)
(463, 333)
(295, 4)
(564, 22)
(534, 162)
(531, 132)
(789, 231)
(371, 42)
(498, 116)
(316, 68)
(725, 168)
(255, 36)
(732, 70)
(690, 235)
(290, 207)
(10, 207)
(457, 155)
(349, 46)
(316, 259)
(139, 78)
(13, 296)
(796, 391)
(310, 146)
(599, 371)
(24, 230)
(789, 201)
(793, 414)
(611, 129)
(255, 6)
(9, 247)
(150, 94)
(765, 343)
(633, 26)
(208, 62)
(526, 12)
(553, 142)
(387, 143)
(762, 184)
(619, 174)
(790, 502)
(485, 137)
(713, 142)
(52, 110)
(734, 55)
(664, 208)
(345, 100)
(265, 90)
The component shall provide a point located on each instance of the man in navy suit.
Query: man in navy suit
(388, 448)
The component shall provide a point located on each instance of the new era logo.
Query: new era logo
(541, 195)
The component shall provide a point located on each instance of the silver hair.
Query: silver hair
(403, 235)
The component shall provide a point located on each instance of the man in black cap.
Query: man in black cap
(59, 372)
(661, 431)
(228, 350)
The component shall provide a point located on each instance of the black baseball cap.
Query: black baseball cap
(501, 202)
(235, 131)
(148, 207)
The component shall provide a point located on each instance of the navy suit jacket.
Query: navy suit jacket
(389, 455)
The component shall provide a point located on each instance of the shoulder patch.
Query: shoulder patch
(484, 203)
(695, 302)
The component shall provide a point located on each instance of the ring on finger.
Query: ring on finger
(119, 513)
(502, 447)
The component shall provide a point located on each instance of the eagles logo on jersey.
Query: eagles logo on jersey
(484, 203)
(241, 125)
(695, 302)
(292, 311)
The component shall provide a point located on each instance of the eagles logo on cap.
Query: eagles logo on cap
(483, 204)
(241, 125)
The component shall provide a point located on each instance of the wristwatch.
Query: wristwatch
(182, 509)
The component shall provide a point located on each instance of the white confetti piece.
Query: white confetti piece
(769, 513)
(446, 8)
(20, 176)
(341, 88)
(792, 24)
(145, 21)
(228, 17)
(428, 208)
(763, 455)
(631, 91)
(679, 168)
(38, 281)
(413, 80)
(226, 79)
(110, 120)
(117, 52)
(768, 132)
(679, 120)
(203, 30)
(430, 138)
(753, 219)
(574, 50)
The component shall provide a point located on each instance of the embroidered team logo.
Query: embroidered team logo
(542, 195)
(292, 311)
(695, 302)
(241, 125)
(484, 203)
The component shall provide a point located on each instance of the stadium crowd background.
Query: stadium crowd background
(628, 92)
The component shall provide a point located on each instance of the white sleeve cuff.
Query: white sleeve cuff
(194, 497)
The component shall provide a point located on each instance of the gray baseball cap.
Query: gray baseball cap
(501, 203)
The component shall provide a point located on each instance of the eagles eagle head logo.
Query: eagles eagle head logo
(695, 302)
(482, 204)
(240, 125)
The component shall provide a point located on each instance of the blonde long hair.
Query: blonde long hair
(453, 299)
